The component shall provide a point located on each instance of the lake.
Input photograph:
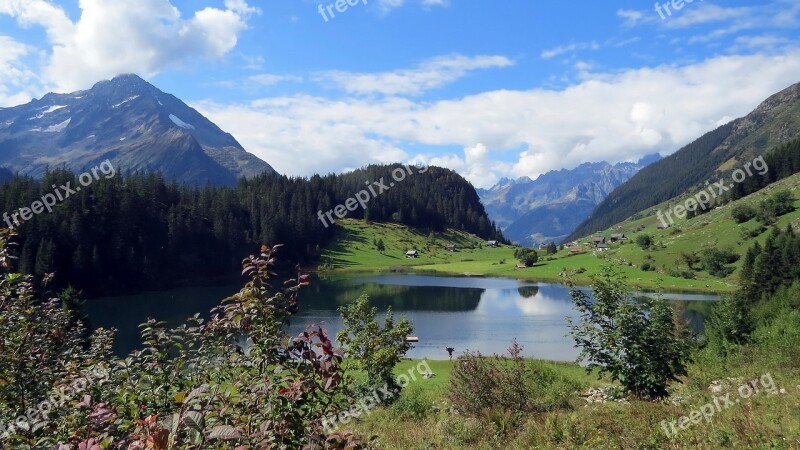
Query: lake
(466, 313)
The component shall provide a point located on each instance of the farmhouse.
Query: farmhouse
(492, 243)
(412, 254)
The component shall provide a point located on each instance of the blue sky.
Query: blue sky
(490, 89)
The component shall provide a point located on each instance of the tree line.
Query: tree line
(141, 232)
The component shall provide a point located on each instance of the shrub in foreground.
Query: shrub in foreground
(485, 386)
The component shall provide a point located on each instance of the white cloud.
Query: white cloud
(17, 81)
(271, 79)
(476, 166)
(113, 37)
(766, 42)
(429, 75)
(634, 18)
(607, 116)
(716, 21)
(552, 53)
(703, 13)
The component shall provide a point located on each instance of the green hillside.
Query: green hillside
(775, 122)
(714, 230)
(355, 249)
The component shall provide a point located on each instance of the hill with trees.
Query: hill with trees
(139, 232)
(773, 123)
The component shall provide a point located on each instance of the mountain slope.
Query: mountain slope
(776, 121)
(550, 207)
(132, 123)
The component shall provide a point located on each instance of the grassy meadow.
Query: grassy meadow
(355, 250)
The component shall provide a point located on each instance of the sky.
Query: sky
(490, 89)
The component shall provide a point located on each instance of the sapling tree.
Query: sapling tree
(636, 341)
(373, 348)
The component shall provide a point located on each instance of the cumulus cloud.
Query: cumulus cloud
(112, 37)
(476, 166)
(16, 79)
(431, 74)
(615, 117)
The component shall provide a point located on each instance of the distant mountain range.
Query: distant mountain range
(549, 208)
(132, 123)
(774, 122)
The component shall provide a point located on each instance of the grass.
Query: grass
(354, 249)
(762, 421)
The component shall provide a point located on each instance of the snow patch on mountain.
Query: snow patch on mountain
(125, 101)
(177, 121)
(47, 111)
(58, 127)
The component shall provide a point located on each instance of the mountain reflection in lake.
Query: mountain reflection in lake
(479, 314)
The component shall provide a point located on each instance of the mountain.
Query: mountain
(550, 207)
(132, 123)
(774, 122)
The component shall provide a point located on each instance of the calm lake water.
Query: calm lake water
(478, 314)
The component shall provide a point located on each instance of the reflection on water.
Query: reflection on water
(479, 314)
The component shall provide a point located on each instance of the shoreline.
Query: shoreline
(574, 280)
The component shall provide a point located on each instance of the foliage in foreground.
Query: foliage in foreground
(481, 385)
(636, 341)
(371, 348)
(237, 381)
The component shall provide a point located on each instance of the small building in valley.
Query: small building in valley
(412, 254)
(450, 248)
(492, 243)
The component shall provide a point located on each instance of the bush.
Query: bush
(479, 385)
(644, 241)
(730, 324)
(777, 205)
(682, 274)
(413, 404)
(715, 261)
(527, 256)
(743, 213)
(637, 342)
